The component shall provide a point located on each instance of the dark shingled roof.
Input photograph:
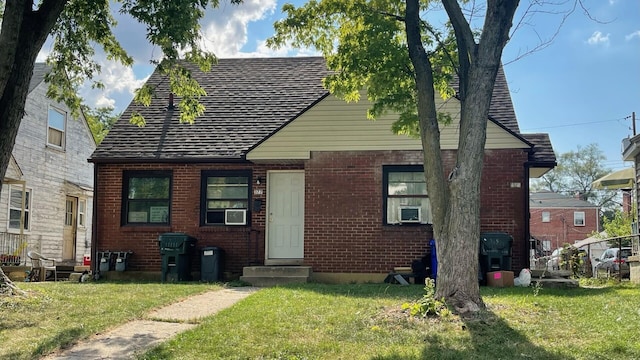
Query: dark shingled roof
(39, 70)
(542, 150)
(247, 101)
(548, 199)
(501, 110)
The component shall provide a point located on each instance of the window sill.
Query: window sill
(57, 148)
(145, 228)
(407, 227)
(224, 228)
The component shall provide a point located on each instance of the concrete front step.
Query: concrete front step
(276, 271)
(275, 275)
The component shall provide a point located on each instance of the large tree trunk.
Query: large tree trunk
(21, 39)
(30, 28)
(456, 204)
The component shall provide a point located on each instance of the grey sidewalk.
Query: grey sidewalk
(160, 325)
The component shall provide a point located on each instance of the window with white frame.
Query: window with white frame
(82, 206)
(546, 216)
(405, 195)
(57, 124)
(578, 218)
(15, 208)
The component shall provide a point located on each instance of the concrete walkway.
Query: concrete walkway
(136, 337)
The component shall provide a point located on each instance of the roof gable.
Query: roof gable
(39, 71)
(247, 101)
(334, 125)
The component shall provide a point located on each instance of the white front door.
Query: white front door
(285, 211)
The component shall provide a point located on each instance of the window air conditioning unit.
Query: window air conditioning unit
(235, 217)
(410, 214)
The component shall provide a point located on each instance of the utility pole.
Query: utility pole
(633, 120)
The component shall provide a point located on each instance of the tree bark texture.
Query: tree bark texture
(456, 203)
(23, 33)
(21, 39)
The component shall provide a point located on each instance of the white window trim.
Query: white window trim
(546, 216)
(82, 213)
(27, 209)
(575, 218)
(64, 131)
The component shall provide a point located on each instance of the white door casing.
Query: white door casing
(70, 228)
(285, 217)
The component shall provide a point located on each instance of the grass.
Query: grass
(315, 321)
(364, 322)
(55, 315)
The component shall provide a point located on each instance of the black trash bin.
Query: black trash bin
(176, 250)
(495, 253)
(211, 263)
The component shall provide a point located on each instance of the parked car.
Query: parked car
(610, 264)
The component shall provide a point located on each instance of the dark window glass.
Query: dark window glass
(148, 197)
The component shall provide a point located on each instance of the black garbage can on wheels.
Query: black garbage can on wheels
(211, 263)
(495, 253)
(176, 250)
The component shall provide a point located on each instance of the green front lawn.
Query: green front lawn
(315, 321)
(55, 315)
(364, 322)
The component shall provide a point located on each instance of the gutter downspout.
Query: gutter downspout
(94, 226)
(527, 214)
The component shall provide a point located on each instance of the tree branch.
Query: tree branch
(465, 40)
(460, 26)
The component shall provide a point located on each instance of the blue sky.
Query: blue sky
(581, 89)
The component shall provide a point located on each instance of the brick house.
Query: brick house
(558, 219)
(49, 166)
(279, 172)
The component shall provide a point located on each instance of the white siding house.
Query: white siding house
(49, 163)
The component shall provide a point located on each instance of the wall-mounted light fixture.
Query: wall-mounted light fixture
(259, 180)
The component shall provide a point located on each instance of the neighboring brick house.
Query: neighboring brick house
(49, 165)
(558, 219)
(319, 183)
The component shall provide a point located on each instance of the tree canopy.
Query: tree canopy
(575, 173)
(76, 29)
(397, 53)
(100, 121)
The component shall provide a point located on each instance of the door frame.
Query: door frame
(267, 260)
(74, 229)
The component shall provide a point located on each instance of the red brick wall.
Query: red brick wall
(242, 246)
(344, 229)
(560, 229)
(504, 206)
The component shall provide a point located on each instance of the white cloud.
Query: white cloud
(225, 30)
(120, 83)
(598, 38)
(635, 34)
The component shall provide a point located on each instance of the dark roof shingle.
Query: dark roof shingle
(247, 101)
(548, 199)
